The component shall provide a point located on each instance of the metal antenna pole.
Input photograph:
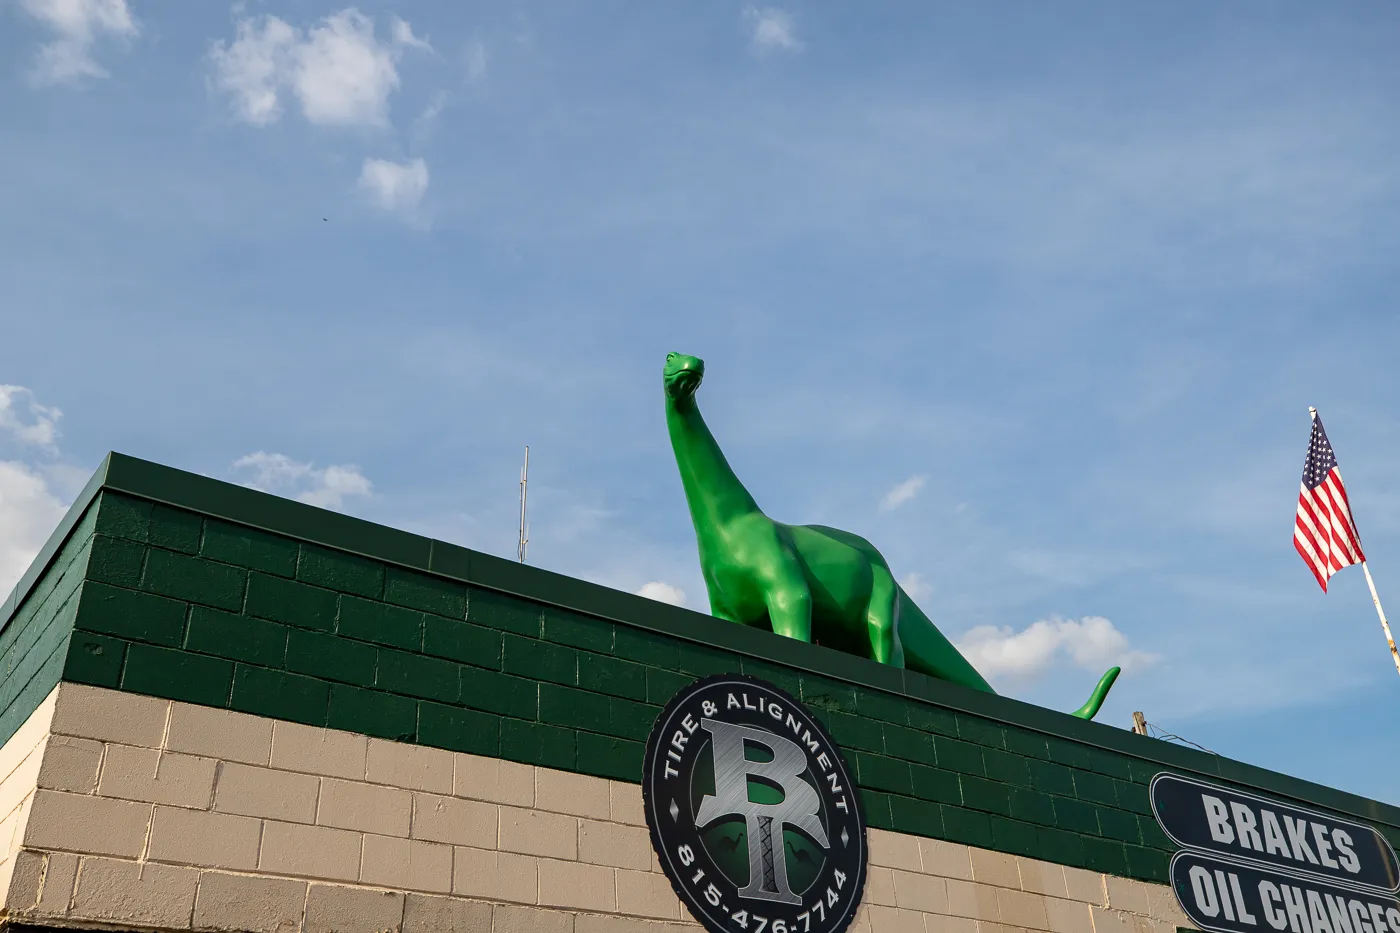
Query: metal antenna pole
(524, 529)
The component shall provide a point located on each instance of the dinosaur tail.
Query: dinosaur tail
(1090, 709)
(928, 651)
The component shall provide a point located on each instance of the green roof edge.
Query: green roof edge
(51, 547)
(248, 507)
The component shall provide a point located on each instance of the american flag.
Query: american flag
(1324, 532)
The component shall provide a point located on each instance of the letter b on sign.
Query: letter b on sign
(1218, 817)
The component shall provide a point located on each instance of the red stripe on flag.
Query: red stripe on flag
(1324, 533)
(1307, 559)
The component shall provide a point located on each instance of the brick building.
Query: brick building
(227, 711)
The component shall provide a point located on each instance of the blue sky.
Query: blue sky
(1033, 296)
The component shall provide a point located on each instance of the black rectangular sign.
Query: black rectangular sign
(1290, 838)
(1226, 896)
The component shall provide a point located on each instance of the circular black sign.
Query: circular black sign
(752, 811)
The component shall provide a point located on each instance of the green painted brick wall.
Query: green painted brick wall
(35, 644)
(440, 646)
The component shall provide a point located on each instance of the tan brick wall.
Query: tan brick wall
(121, 809)
(22, 766)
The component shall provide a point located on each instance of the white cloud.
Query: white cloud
(28, 422)
(1092, 643)
(339, 70)
(476, 60)
(343, 75)
(394, 186)
(31, 494)
(29, 512)
(403, 35)
(326, 487)
(915, 586)
(771, 30)
(434, 108)
(663, 592)
(78, 25)
(902, 493)
(424, 124)
(252, 68)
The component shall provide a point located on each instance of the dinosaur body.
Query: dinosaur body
(809, 582)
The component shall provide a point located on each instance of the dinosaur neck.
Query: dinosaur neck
(712, 491)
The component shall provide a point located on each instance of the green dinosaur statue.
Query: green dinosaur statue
(804, 581)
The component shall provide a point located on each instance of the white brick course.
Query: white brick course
(121, 809)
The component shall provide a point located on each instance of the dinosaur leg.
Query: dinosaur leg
(720, 612)
(718, 607)
(882, 618)
(789, 600)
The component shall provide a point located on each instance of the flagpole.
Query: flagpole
(1381, 612)
(1385, 626)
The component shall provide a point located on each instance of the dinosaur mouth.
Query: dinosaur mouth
(686, 381)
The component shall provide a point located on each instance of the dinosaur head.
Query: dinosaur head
(682, 376)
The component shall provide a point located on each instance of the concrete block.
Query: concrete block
(455, 821)
(577, 886)
(626, 803)
(20, 784)
(219, 733)
(933, 923)
(28, 736)
(970, 899)
(924, 893)
(1042, 877)
(647, 894)
(576, 794)
(894, 850)
(247, 904)
(318, 852)
(1111, 921)
(894, 920)
(614, 844)
(60, 874)
(415, 767)
(1022, 909)
(204, 839)
(1127, 894)
(22, 880)
(109, 715)
(534, 832)
(494, 780)
(996, 869)
(94, 825)
(1085, 886)
(1064, 916)
(335, 909)
(608, 923)
(117, 891)
(946, 859)
(407, 864)
(370, 808)
(70, 764)
(153, 776)
(509, 919)
(499, 876)
(313, 750)
(263, 792)
(424, 913)
(879, 886)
